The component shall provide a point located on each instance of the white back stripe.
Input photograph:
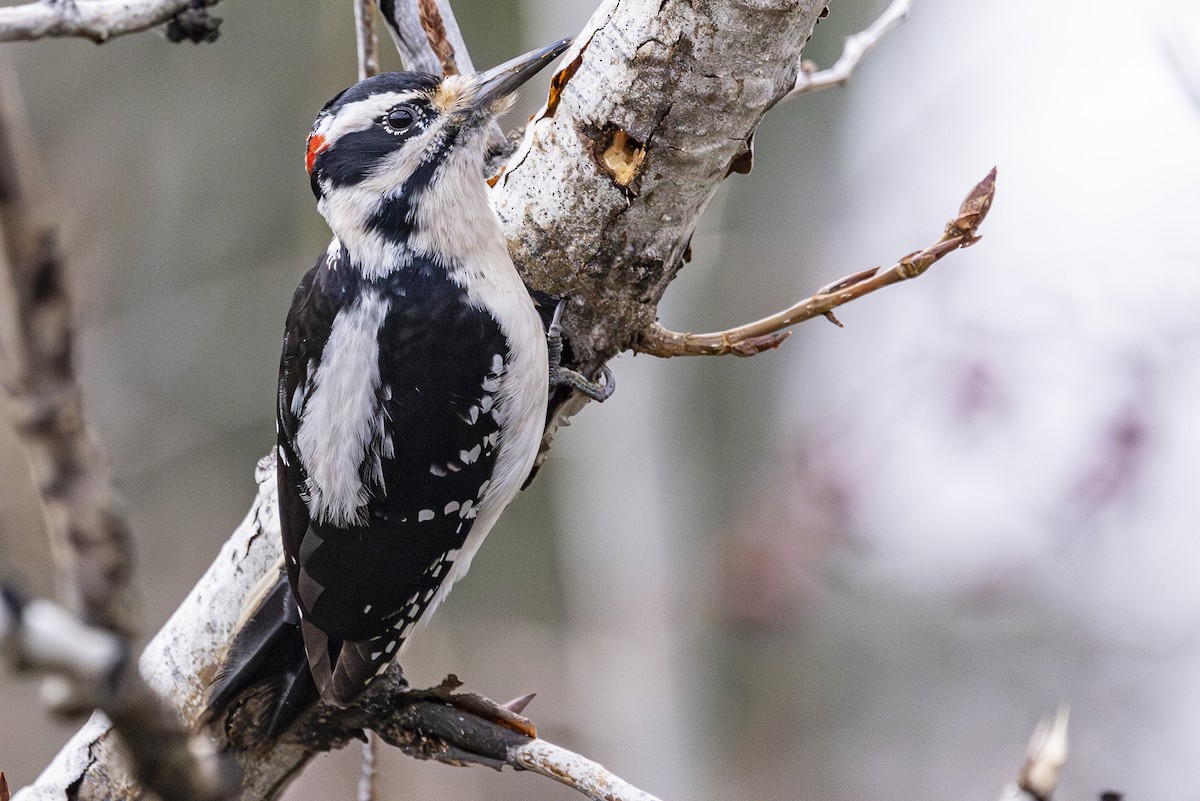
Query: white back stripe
(340, 416)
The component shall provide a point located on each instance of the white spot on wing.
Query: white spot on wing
(424, 514)
(450, 507)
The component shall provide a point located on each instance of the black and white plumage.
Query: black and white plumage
(413, 385)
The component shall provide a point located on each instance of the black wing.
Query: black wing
(361, 588)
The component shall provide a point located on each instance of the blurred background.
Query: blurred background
(861, 567)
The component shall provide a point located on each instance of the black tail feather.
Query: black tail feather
(267, 650)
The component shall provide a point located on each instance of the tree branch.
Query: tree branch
(655, 106)
(753, 338)
(100, 20)
(857, 46)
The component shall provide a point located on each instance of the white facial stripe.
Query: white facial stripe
(348, 208)
(361, 114)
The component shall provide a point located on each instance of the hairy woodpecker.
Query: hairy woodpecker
(412, 388)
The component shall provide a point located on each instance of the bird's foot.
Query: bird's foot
(565, 377)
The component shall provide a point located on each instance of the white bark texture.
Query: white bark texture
(656, 104)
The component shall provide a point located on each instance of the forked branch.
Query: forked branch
(752, 338)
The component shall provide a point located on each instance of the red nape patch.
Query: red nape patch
(316, 146)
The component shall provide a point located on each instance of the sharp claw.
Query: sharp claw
(556, 320)
(610, 385)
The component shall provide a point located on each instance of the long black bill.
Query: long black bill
(504, 79)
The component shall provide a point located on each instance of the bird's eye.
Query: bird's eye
(401, 118)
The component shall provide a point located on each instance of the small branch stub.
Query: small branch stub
(753, 338)
(1046, 756)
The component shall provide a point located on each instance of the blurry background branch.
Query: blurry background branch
(88, 532)
(752, 338)
(100, 20)
(367, 45)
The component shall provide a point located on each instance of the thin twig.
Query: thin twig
(364, 36)
(366, 780)
(753, 338)
(576, 771)
(809, 79)
(98, 20)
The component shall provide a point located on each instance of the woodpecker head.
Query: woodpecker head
(399, 146)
